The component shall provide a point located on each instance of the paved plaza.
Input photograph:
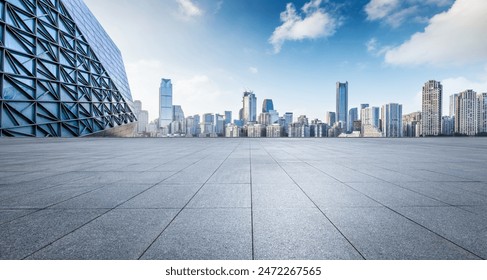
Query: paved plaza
(103, 198)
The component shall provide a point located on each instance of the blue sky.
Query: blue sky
(295, 51)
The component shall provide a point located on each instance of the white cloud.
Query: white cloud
(374, 47)
(313, 22)
(379, 9)
(253, 70)
(197, 93)
(395, 12)
(455, 37)
(188, 9)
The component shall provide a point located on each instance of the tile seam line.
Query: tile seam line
(399, 186)
(187, 203)
(251, 202)
(405, 217)
(49, 206)
(103, 213)
(317, 207)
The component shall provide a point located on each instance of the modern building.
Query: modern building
(370, 116)
(453, 104)
(447, 125)
(391, 117)
(483, 112)
(232, 131)
(431, 108)
(165, 104)
(288, 119)
(352, 117)
(363, 106)
(299, 130)
(220, 125)
(267, 106)
(228, 117)
(137, 107)
(330, 118)
(249, 112)
(143, 121)
(411, 125)
(342, 104)
(207, 125)
(255, 130)
(467, 113)
(61, 75)
(274, 131)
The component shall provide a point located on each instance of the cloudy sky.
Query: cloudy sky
(294, 51)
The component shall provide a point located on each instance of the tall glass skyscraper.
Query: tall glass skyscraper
(342, 103)
(165, 103)
(352, 116)
(249, 107)
(392, 120)
(60, 73)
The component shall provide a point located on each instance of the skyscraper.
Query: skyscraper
(61, 74)
(177, 113)
(330, 118)
(352, 116)
(453, 103)
(267, 106)
(165, 103)
(392, 120)
(228, 117)
(432, 105)
(342, 104)
(483, 112)
(467, 113)
(249, 107)
(370, 116)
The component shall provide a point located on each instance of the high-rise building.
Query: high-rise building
(165, 103)
(363, 106)
(137, 107)
(342, 104)
(249, 112)
(411, 124)
(392, 120)
(61, 75)
(467, 113)
(267, 106)
(453, 102)
(220, 125)
(330, 118)
(207, 125)
(143, 121)
(177, 113)
(432, 106)
(370, 116)
(483, 112)
(289, 118)
(447, 125)
(352, 117)
(228, 117)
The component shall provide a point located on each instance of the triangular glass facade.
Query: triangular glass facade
(60, 73)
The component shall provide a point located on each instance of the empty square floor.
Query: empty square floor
(278, 199)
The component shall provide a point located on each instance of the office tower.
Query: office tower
(467, 113)
(177, 113)
(411, 124)
(330, 118)
(483, 112)
(432, 106)
(303, 120)
(219, 124)
(249, 107)
(289, 118)
(392, 120)
(274, 131)
(352, 117)
(370, 116)
(342, 104)
(447, 125)
(363, 106)
(255, 130)
(143, 121)
(137, 107)
(267, 106)
(453, 102)
(165, 103)
(207, 125)
(61, 75)
(196, 124)
(228, 117)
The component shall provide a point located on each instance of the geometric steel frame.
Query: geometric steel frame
(52, 83)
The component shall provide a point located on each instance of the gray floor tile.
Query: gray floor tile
(221, 196)
(298, 234)
(164, 196)
(205, 234)
(121, 234)
(24, 236)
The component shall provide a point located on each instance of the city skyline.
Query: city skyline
(364, 42)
